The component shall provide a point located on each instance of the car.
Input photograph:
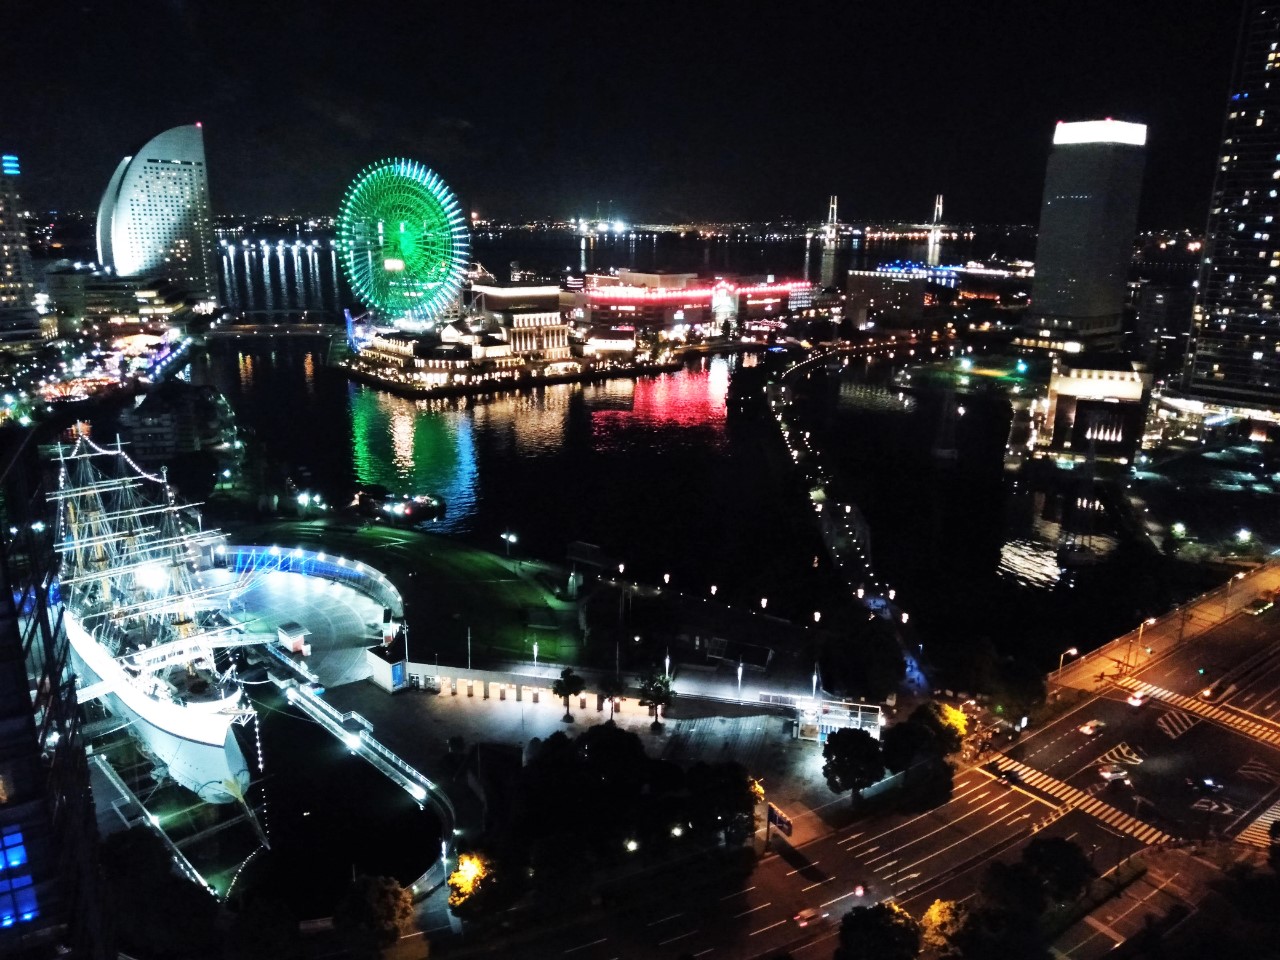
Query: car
(810, 915)
(1205, 784)
(1092, 728)
(1009, 778)
(1113, 771)
(1259, 605)
(1136, 699)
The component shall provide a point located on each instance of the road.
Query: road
(1198, 766)
(913, 858)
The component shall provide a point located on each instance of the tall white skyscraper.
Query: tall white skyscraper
(154, 219)
(17, 282)
(1088, 220)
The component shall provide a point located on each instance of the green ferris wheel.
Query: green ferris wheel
(403, 241)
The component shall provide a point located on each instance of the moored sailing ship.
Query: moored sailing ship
(143, 601)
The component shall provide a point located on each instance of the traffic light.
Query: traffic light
(1200, 671)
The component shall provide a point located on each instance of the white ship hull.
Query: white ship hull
(195, 741)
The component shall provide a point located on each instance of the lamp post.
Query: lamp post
(508, 538)
(1230, 583)
(1128, 664)
(817, 617)
(739, 679)
(666, 666)
(1069, 652)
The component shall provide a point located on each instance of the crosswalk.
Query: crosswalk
(1258, 833)
(1174, 723)
(1265, 732)
(1072, 798)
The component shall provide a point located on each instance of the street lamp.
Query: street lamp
(713, 589)
(739, 679)
(764, 602)
(509, 538)
(1230, 583)
(1141, 627)
(817, 616)
(622, 568)
(1069, 652)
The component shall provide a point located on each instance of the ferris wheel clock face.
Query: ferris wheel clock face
(403, 241)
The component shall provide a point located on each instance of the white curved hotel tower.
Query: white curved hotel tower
(154, 218)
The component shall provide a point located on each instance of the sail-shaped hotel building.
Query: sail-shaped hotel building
(154, 218)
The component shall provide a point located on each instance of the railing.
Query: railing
(247, 558)
(362, 742)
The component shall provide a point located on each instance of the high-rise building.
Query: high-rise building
(49, 891)
(17, 282)
(154, 218)
(1088, 219)
(1234, 358)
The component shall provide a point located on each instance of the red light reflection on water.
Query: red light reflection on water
(694, 399)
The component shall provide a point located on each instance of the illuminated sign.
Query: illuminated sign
(1100, 131)
(393, 264)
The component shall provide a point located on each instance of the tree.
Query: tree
(1012, 889)
(947, 724)
(883, 931)
(567, 685)
(612, 687)
(853, 760)
(1060, 864)
(941, 922)
(377, 909)
(469, 883)
(905, 743)
(656, 692)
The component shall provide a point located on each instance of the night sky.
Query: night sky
(673, 111)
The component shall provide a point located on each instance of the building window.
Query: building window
(17, 895)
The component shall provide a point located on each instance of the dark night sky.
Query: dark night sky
(676, 110)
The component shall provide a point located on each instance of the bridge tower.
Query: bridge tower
(937, 210)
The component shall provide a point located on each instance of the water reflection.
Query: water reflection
(429, 446)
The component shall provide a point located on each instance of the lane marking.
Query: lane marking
(738, 894)
(754, 932)
(818, 884)
(674, 939)
(752, 910)
(584, 946)
(664, 919)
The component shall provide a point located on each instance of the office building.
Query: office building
(885, 299)
(154, 218)
(1162, 319)
(17, 282)
(1234, 358)
(1096, 406)
(1088, 219)
(49, 890)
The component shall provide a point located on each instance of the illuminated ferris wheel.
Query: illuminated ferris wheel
(403, 241)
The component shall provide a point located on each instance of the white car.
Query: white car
(1136, 699)
(1091, 728)
(1113, 771)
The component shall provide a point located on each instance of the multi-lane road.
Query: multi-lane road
(1201, 753)
(913, 858)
